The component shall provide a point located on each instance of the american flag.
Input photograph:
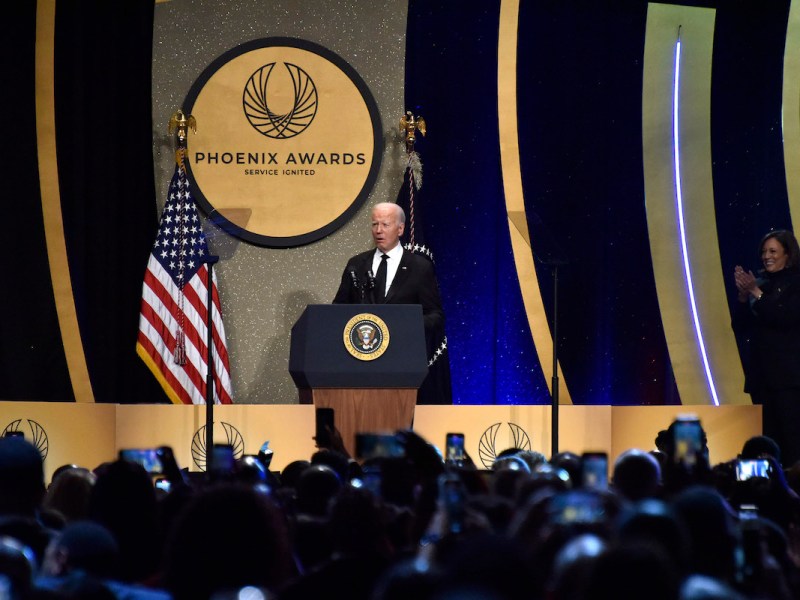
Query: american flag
(173, 316)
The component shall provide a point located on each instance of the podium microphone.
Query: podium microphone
(354, 278)
(371, 285)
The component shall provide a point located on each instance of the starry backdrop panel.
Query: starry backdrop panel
(580, 138)
(451, 80)
(579, 78)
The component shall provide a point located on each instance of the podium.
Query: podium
(366, 361)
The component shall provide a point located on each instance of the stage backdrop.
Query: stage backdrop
(641, 148)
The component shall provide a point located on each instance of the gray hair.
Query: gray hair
(401, 215)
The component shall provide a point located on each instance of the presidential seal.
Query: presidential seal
(366, 336)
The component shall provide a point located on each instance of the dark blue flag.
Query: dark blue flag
(436, 388)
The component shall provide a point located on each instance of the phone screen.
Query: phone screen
(452, 496)
(745, 469)
(688, 441)
(595, 470)
(454, 448)
(146, 457)
(576, 506)
(378, 445)
(223, 459)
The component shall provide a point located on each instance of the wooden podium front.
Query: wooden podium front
(362, 410)
(370, 393)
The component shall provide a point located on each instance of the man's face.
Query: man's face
(386, 229)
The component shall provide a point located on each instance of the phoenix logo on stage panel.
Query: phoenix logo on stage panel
(274, 124)
(38, 435)
(487, 446)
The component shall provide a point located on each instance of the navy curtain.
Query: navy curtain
(103, 55)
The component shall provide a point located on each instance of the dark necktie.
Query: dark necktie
(380, 280)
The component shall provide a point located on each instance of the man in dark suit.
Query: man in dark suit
(400, 278)
(409, 278)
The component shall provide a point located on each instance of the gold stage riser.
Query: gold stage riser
(88, 434)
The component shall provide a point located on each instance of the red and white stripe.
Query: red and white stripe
(158, 322)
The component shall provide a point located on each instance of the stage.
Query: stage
(89, 434)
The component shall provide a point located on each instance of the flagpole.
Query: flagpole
(210, 260)
(554, 390)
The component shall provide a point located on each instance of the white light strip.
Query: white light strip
(679, 200)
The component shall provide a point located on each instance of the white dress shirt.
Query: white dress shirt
(392, 264)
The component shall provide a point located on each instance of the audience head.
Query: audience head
(632, 571)
(123, 500)
(82, 546)
(509, 474)
(335, 460)
(69, 493)
(710, 523)
(246, 533)
(357, 524)
(248, 469)
(571, 463)
(291, 473)
(544, 477)
(532, 458)
(655, 522)
(61, 470)
(21, 477)
(637, 475)
(703, 587)
(17, 565)
(316, 486)
(759, 446)
(486, 565)
(415, 578)
(572, 564)
(510, 462)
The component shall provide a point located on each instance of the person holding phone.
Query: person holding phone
(769, 316)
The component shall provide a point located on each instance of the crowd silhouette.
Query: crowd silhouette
(666, 524)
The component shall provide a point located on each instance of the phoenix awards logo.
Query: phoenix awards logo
(36, 434)
(366, 336)
(233, 438)
(487, 446)
(272, 124)
(288, 142)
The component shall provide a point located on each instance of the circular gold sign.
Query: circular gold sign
(288, 141)
(366, 336)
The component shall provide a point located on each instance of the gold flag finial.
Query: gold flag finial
(409, 124)
(181, 122)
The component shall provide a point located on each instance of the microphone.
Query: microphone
(371, 285)
(356, 284)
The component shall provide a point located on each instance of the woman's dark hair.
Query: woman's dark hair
(786, 239)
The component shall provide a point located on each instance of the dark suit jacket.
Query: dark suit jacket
(773, 325)
(414, 283)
